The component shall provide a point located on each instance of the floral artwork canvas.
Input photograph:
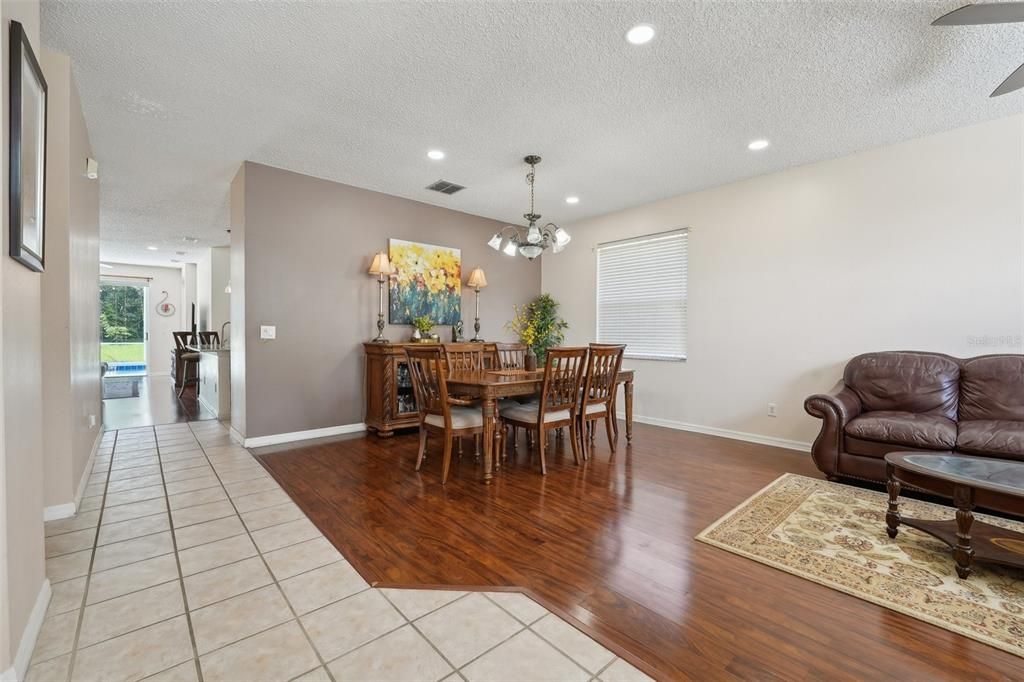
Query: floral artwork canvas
(427, 281)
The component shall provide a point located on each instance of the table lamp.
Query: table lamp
(382, 269)
(477, 281)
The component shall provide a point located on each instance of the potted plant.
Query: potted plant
(423, 325)
(538, 327)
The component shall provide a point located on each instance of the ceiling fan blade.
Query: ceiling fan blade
(1015, 81)
(993, 13)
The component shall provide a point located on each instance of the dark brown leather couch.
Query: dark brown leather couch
(907, 400)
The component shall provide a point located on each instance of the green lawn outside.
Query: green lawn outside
(122, 352)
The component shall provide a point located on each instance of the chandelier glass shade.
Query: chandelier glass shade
(532, 240)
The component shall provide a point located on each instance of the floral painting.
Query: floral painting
(427, 281)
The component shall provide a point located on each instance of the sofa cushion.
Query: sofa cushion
(997, 438)
(925, 431)
(905, 381)
(992, 388)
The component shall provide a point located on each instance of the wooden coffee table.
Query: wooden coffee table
(971, 481)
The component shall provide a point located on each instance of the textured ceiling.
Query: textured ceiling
(178, 94)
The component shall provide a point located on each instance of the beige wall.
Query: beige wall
(212, 276)
(917, 245)
(20, 344)
(307, 246)
(161, 343)
(238, 328)
(70, 292)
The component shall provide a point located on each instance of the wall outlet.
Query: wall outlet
(772, 410)
(268, 331)
(92, 421)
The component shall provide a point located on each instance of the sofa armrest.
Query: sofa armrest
(835, 408)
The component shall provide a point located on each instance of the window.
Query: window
(641, 295)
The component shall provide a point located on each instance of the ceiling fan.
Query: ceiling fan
(995, 13)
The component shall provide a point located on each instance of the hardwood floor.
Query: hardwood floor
(611, 545)
(157, 403)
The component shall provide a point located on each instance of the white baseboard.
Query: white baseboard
(56, 512)
(28, 638)
(68, 509)
(236, 436)
(280, 438)
(724, 433)
(87, 473)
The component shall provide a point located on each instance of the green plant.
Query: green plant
(538, 325)
(423, 323)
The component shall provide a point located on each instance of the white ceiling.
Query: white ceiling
(177, 94)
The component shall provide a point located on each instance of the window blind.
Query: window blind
(641, 295)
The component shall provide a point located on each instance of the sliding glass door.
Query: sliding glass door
(124, 327)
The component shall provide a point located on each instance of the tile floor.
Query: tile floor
(186, 561)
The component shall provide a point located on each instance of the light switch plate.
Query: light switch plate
(268, 331)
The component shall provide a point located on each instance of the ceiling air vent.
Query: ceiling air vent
(445, 187)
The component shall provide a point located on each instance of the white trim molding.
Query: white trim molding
(56, 512)
(724, 433)
(279, 438)
(236, 435)
(28, 638)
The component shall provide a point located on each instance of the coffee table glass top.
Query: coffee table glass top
(1000, 475)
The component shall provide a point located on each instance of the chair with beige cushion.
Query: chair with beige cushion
(559, 400)
(439, 412)
(598, 396)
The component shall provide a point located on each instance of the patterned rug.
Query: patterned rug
(127, 387)
(834, 534)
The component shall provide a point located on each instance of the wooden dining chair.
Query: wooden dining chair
(598, 395)
(209, 338)
(439, 412)
(464, 356)
(189, 360)
(559, 400)
(511, 355)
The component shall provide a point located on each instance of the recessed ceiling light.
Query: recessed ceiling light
(758, 145)
(640, 34)
(435, 154)
(572, 200)
(152, 248)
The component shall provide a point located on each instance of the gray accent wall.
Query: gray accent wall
(301, 247)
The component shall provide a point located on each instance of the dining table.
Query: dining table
(489, 386)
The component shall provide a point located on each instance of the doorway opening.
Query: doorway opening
(124, 328)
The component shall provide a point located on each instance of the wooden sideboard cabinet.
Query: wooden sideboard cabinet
(390, 403)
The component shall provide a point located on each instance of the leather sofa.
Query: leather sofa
(907, 400)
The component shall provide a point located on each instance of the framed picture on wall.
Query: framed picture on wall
(427, 282)
(27, 152)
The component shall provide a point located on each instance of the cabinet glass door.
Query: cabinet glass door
(405, 400)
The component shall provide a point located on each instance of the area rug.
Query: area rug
(121, 388)
(834, 534)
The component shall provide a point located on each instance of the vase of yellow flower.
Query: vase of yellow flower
(423, 325)
(538, 327)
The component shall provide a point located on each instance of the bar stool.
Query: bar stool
(182, 340)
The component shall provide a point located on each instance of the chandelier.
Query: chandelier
(530, 241)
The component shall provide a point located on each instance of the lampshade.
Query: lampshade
(509, 248)
(495, 242)
(562, 237)
(477, 279)
(381, 265)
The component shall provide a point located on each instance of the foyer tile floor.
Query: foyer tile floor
(187, 561)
